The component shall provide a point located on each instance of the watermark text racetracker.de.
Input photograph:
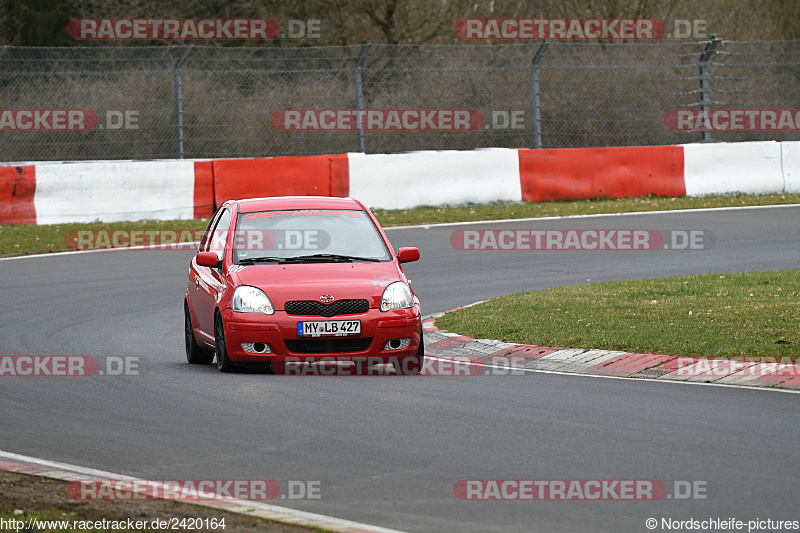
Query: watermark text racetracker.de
(244, 240)
(442, 366)
(715, 368)
(99, 239)
(579, 490)
(67, 366)
(733, 120)
(377, 119)
(580, 239)
(397, 119)
(582, 29)
(23, 120)
(193, 490)
(193, 29)
(47, 119)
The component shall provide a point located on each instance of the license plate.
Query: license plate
(329, 328)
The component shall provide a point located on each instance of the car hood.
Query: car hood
(309, 281)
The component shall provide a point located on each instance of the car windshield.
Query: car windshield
(307, 235)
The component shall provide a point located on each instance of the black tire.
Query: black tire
(194, 353)
(223, 363)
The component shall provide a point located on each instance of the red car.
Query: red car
(298, 280)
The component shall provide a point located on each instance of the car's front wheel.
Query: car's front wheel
(194, 353)
(223, 362)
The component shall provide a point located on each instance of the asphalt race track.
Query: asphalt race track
(388, 450)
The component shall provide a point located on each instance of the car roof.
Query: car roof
(250, 205)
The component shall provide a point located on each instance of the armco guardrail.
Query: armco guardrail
(47, 193)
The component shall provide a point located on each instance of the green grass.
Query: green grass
(25, 239)
(751, 314)
(499, 211)
(21, 239)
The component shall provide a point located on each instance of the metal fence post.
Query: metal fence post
(705, 77)
(537, 119)
(179, 103)
(3, 51)
(359, 95)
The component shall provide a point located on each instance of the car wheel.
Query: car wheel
(223, 363)
(194, 353)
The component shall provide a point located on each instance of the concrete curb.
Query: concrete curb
(772, 372)
(24, 464)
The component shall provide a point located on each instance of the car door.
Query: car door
(193, 289)
(209, 281)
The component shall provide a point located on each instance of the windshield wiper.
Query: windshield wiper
(332, 257)
(266, 259)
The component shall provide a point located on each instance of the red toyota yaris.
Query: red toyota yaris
(299, 280)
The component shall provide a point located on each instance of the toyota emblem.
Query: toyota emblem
(326, 298)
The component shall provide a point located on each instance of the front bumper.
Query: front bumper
(279, 333)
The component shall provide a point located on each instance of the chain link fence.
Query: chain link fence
(204, 102)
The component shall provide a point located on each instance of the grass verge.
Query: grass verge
(21, 239)
(26, 497)
(742, 316)
(500, 211)
(25, 239)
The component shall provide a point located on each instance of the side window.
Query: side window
(220, 234)
(204, 239)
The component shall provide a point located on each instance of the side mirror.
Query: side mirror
(408, 254)
(208, 259)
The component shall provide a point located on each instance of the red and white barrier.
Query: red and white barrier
(725, 168)
(318, 175)
(402, 181)
(109, 191)
(114, 191)
(577, 173)
(48, 193)
(17, 191)
(790, 163)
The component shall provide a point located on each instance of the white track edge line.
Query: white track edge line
(177, 247)
(275, 512)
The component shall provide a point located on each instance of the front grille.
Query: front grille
(328, 345)
(312, 308)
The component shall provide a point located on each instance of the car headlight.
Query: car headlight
(396, 296)
(248, 299)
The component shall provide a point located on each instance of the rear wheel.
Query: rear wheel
(194, 353)
(223, 363)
